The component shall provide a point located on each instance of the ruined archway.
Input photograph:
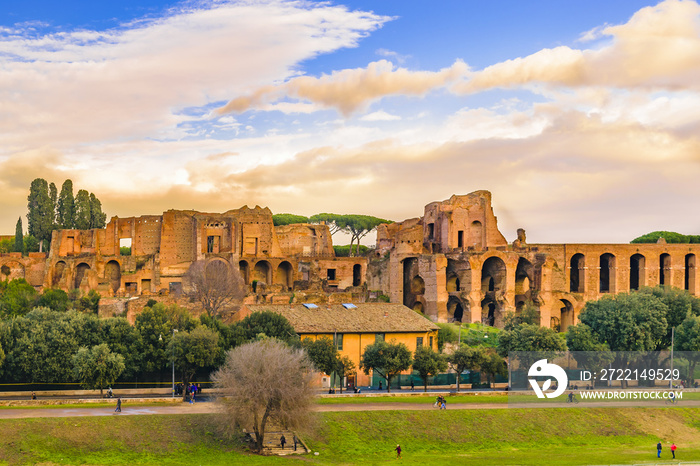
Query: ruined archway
(493, 284)
(11, 271)
(607, 273)
(452, 283)
(245, 271)
(114, 275)
(476, 235)
(417, 285)
(80, 272)
(58, 270)
(637, 271)
(576, 273)
(456, 310)
(284, 274)
(488, 311)
(664, 269)
(567, 315)
(690, 273)
(356, 275)
(261, 272)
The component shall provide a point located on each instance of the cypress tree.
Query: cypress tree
(66, 206)
(19, 237)
(82, 210)
(40, 215)
(97, 217)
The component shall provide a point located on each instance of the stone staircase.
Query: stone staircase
(271, 443)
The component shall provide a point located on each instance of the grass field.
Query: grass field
(469, 437)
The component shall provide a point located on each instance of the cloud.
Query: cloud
(380, 116)
(659, 47)
(390, 54)
(89, 87)
(350, 90)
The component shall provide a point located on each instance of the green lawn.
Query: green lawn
(418, 398)
(464, 437)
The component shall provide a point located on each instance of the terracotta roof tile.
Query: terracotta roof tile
(365, 318)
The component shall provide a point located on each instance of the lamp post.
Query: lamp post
(173, 355)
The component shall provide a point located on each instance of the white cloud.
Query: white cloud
(380, 115)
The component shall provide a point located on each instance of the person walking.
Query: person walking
(412, 386)
(658, 449)
(283, 441)
(398, 451)
(296, 440)
(673, 450)
(119, 405)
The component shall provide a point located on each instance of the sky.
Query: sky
(581, 118)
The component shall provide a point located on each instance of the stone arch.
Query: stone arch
(80, 272)
(457, 311)
(283, 276)
(493, 274)
(690, 273)
(488, 311)
(357, 275)
(418, 307)
(665, 269)
(567, 315)
(245, 271)
(261, 272)
(637, 271)
(577, 273)
(58, 271)
(607, 273)
(524, 275)
(476, 234)
(453, 284)
(418, 285)
(113, 273)
(5, 271)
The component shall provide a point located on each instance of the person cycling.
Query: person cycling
(572, 397)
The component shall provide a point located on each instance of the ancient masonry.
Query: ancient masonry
(274, 261)
(452, 264)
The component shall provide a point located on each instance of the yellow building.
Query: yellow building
(354, 326)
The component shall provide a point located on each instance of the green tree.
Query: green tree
(19, 237)
(446, 334)
(31, 244)
(98, 218)
(288, 219)
(345, 368)
(627, 321)
(194, 350)
(360, 226)
(53, 195)
(322, 353)
(268, 323)
(466, 358)
(680, 304)
(7, 245)
(669, 236)
(492, 365)
(123, 338)
(54, 299)
(40, 215)
(529, 315)
(89, 302)
(386, 359)
(155, 331)
(66, 206)
(687, 340)
(97, 367)
(529, 338)
(82, 210)
(428, 363)
(16, 297)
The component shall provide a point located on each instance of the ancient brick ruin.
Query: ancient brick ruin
(453, 264)
(274, 261)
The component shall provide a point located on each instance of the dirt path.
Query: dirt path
(204, 408)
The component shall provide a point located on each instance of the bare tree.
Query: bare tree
(215, 285)
(265, 382)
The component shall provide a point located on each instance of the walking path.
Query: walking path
(204, 408)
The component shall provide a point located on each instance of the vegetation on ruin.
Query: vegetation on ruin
(499, 436)
(669, 236)
(288, 219)
(357, 226)
(48, 211)
(344, 250)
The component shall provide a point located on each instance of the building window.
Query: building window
(338, 341)
(330, 274)
(431, 342)
(379, 336)
(419, 342)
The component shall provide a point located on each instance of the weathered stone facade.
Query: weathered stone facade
(274, 261)
(453, 264)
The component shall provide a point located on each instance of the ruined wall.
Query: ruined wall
(303, 239)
